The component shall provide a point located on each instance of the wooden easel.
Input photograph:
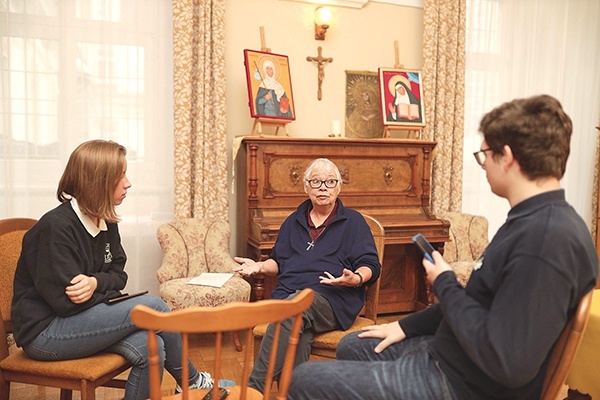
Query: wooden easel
(387, 131)
(397, 64)
(260, 121)
(418, 131)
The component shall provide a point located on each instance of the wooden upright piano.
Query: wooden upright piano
(388, 179)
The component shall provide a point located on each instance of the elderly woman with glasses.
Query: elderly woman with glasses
(323, 246)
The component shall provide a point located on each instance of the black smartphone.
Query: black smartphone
(222, 394)
(424, 245)
(125, 296)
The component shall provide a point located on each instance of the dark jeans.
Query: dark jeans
(403, 371)
(109, 328)
(318, 318)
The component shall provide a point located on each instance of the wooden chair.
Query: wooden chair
(565, 349)
(83, 374)
(325, 344)
(227, 318)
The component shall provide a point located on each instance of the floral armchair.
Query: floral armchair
(190, 247)
(468, 240)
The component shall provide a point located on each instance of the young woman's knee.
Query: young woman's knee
(153, 302)
(135, 349)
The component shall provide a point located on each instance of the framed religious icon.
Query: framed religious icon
(362, 105)
(401, 94)
(269, 85)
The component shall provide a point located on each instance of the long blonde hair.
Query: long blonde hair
(91, 175)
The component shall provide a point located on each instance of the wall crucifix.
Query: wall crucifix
(320, 61)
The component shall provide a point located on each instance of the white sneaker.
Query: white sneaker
(205, 381)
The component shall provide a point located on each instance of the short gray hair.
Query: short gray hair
(324, 163)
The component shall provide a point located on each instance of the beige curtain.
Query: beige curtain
(443, 85)
(199, 107)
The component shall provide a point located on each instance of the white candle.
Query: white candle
(336, 127)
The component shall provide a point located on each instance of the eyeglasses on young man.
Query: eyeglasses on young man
(480, 156)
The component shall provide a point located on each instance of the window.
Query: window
(79, 71)
(76, 70)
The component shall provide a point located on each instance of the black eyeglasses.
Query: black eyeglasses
(480, 156)
(317, 183)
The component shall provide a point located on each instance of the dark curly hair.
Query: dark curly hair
(537, 130)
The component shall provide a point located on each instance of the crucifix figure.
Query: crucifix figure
(320, 61)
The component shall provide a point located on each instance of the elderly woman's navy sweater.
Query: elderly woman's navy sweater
(346, 242)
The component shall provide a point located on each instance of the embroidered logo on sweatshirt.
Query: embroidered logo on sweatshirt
(107, 254)
(479, 263)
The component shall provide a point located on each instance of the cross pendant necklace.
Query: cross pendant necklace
(312, 244)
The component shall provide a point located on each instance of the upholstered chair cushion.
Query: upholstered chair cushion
(468, 240)
(191, 247)
(463, 270)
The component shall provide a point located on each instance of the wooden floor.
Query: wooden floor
(202, 355)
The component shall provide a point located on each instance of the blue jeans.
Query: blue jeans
(109, 328)
(403, 371)
(318, 318)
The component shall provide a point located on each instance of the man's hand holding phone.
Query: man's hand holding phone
(433, 262)
(433, 270)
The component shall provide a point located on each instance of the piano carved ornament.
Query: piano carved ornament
(388, 179)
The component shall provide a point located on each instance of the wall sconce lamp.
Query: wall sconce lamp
(323, 19)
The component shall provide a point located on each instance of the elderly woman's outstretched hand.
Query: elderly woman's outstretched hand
(347, 279)
(247, 267)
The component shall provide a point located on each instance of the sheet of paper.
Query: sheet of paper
(213, 279)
